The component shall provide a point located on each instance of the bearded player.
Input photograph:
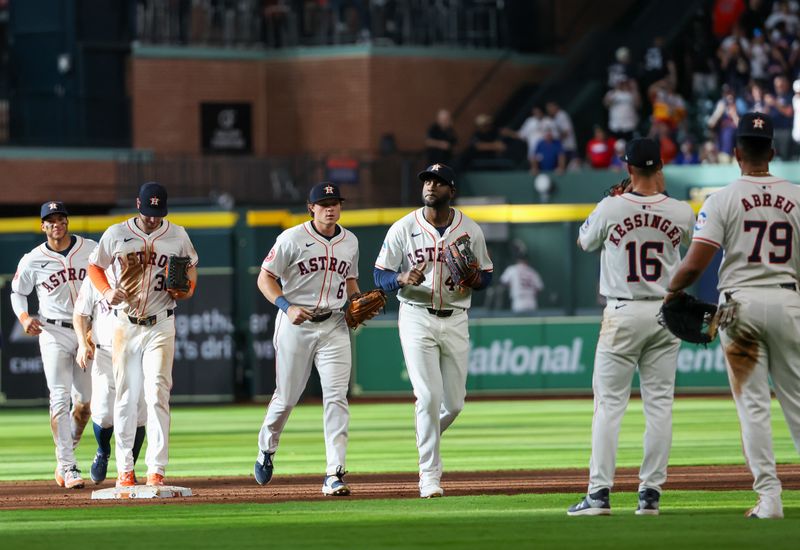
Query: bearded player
(55, 269)
(144, 328)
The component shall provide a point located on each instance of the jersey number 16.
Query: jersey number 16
(644, 262)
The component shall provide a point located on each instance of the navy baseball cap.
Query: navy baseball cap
(756, 125)
(153, 200)
(438, 171)
(53, 207)
(324, 190)
(643, 152)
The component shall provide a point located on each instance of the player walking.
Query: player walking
(756, 221)
(144, 328)
(433, 311)
(55, 270)
(93, 320)
(641, 232)
(317, 264)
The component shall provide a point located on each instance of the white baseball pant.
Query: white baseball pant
(436, 352)
(104, 390)
(327, 345)
(631, 337)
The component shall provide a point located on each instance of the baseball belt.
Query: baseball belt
(59, 323)
(145, 321)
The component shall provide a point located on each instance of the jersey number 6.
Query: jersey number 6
(649, 267)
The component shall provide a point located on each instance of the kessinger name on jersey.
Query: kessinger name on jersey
(646, 220)
(767, 200)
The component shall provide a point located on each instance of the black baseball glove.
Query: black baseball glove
(689, 319)
(177, 278)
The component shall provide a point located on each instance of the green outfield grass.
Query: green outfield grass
(690, 519)
(496, 435)
(489, 435)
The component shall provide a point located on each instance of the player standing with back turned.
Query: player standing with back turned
(755, 220)
(55, 269)
(641, 232)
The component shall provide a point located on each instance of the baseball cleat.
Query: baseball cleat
(99, 468)
(126, 479)
(595, 504)
(263, 468)
(155, 479)
(334, 485)
(766, 508)
(59, 477)
(72, 478)
(431, 491)
(648, 502)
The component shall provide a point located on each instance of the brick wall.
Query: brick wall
(26, 181)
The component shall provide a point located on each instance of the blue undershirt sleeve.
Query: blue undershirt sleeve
(386, 279)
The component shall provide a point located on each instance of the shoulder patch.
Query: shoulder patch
(702, 218)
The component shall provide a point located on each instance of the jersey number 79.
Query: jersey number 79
(779, 235)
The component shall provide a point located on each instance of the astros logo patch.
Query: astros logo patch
(153, 201)
(758, 123)
(271, 255)
(329, 190)
(52, 206)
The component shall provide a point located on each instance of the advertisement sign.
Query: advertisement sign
(522, 355)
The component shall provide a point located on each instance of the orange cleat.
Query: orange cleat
(126, 479)
(59, 478)
(155, 479)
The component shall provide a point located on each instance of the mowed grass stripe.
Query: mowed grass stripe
(489, 435)
(691, 519)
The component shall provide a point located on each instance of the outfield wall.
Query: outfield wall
(224, 350)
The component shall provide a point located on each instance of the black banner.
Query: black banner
(226, 128)
(21, 372)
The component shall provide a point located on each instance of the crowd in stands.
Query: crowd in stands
(745, 58)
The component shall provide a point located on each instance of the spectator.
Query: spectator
(782, 14)
(441, 139)
(623, 68)
(600, 149)
(779, 108)
(618, 159)
(532, 130)
(656, 65)
(668, 106)
(709, 154)
(759, 57)
(734, 67)
(623, 104)
(486, 144)
(564, 130)
(549, 155)
(687, 154)
(724, 121)
(523, 283)
(754, 101)
(725, 15)
(661, 133)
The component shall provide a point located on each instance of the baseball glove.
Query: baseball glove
(177, 279)
(689, 319)
(463, 266)
(618, 188)
(364, 306)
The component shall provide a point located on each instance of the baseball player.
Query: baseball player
(55, 270)
(317, 264)
(754, 220)
(144, 326)
(93, 320)
(523, 283)
(640, 232)
(433, 311)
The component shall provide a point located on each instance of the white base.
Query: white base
(142, 491)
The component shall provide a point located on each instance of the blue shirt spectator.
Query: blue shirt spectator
(549, 154)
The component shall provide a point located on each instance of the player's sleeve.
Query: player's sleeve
(480, 250)
(188, 249)
(538, 283)
(687, 230)
(103, 254)
(390, 257)
(84, 305)
(593, 232)
(279, 257)
(22, 285)
(709, 228)
(354, 268)
(505, 278)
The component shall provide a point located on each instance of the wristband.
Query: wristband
(23, 316)
(282, 303)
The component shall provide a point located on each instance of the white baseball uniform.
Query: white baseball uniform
(313, 271)
(433, 326)
(524, 283)
(90, 303)
(143, 344)
(640, 239)
(756, 221)
(56, 277)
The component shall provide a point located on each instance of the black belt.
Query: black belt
(789, 286)
(321, 317)
(145, 321)
(59, 323)
(637, 299)
(440, 312)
